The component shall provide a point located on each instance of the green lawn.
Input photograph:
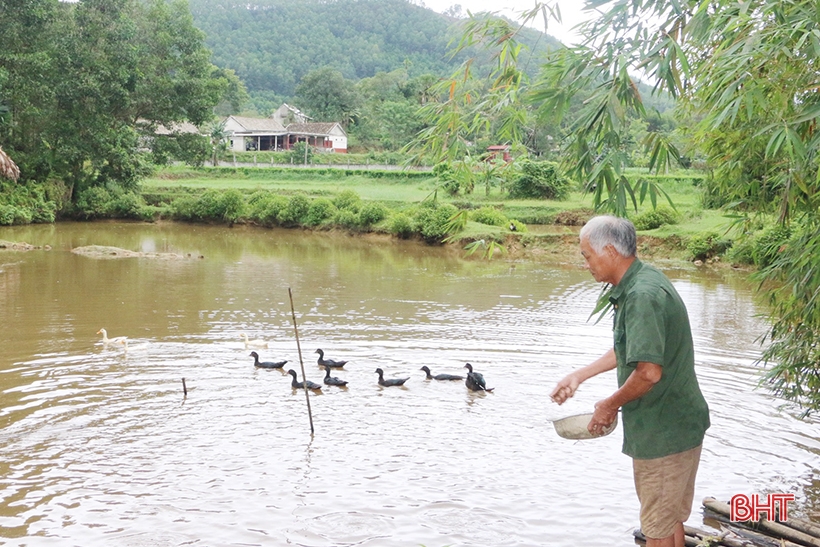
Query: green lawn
(386, 189)
(398, 192)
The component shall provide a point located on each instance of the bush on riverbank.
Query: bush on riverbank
(760, 248)
(32, 203)
(347, 211)
(540, 180)
(98, 202)
(390, 202)
(655, 218)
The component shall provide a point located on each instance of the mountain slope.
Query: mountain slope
(271, 44)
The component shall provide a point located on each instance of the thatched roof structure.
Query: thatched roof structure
(8, 168)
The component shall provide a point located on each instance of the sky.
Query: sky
(570, 13)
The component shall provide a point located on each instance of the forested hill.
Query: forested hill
(271, 44)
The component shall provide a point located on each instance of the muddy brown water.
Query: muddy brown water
(99, 447)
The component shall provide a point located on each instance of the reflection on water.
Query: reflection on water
(99, 446)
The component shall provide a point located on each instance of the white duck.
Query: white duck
(125, 348)
(249, 344)
(106, 340)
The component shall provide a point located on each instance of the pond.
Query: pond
(101, 447)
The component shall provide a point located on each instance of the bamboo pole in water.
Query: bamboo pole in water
(301, 362)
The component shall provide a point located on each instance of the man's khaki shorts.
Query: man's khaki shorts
(666, 489)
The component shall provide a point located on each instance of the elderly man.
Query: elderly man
(664, 413)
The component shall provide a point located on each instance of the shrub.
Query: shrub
(445, 173)
(346, 219)
(768, 243)
(93, 202)
(212, 205)
(540, 180)
(451, 186)
(442, 170)
(400, 225)
(231, 205)
(655, 218)
(184, 208)
(295, 212)
(127, 205)
(432, 222)
(264, 207)
(28, 203)
(208, 206)
(22, 215)
(10, 214)
(490, 216)
(7, 214)
(297, 153)
(706, 245)
(742, 251)
(348, 200)
(320, 210)
(371, 213)
(44, 212)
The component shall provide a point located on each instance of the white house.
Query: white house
(245, 133)
(330, 137)
(272, 133)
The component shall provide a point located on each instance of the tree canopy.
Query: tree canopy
(326, 95)
(76, 78)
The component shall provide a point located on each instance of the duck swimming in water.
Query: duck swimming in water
(296, 384)
(332, 380)
(475, 380)
(266, 364)
(328, 362)
(440, 376)
(106, 340)
(126, 347)
(391, 381)
(259, 344)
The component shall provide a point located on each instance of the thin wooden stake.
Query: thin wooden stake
(301, 363)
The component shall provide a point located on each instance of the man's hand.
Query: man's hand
(605, 414)
(565, 388)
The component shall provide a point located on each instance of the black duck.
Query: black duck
(296, 384)
(266, 364)
(328, 362)
(331, 380)
(475, 380)
(391, 381)
(440, 376)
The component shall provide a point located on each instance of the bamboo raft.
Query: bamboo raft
(762, 533)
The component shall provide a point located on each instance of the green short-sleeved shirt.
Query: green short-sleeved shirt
(651, 324)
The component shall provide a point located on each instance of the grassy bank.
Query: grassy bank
(411, 204)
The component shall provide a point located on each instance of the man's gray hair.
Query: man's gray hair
(608, 230)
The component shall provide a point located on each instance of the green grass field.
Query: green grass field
(295, 181)
(399, 192)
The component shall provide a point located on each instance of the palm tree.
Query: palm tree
(219, 142)
(8, 168)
